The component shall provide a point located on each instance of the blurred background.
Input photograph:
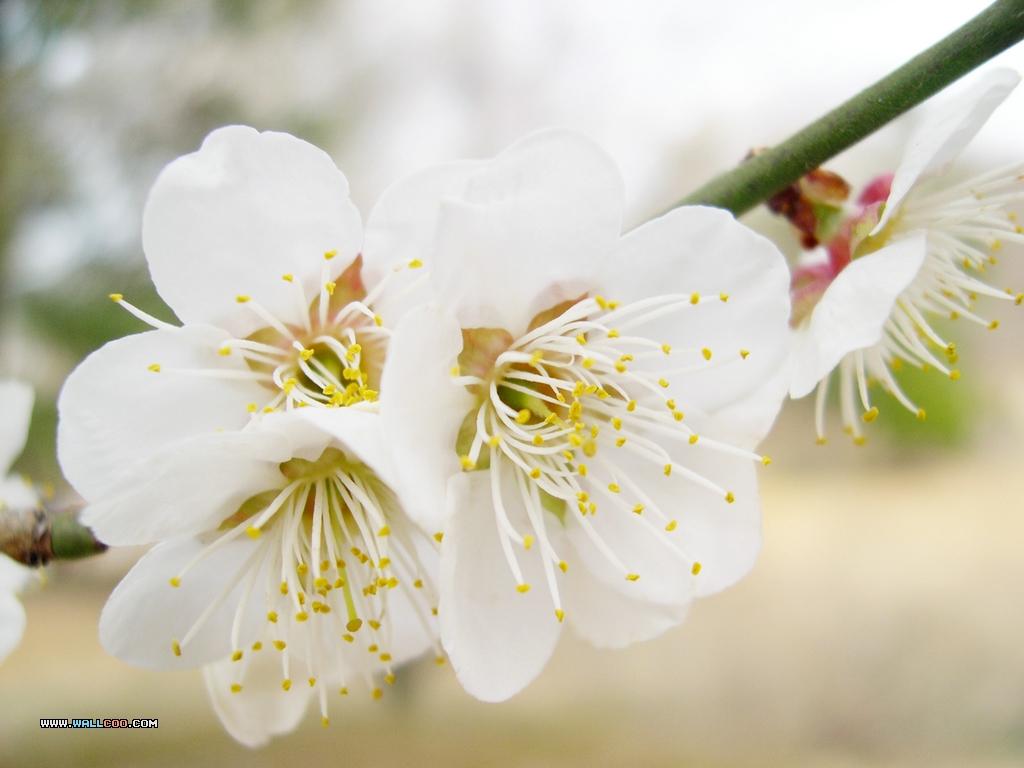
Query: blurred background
(882, 625)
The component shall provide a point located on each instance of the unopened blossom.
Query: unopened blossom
(15, 493)
(254, 244)
(284, 566)
(918, 248)
(583, 406)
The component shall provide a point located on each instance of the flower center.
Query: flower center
(564, 405)
(332, 545)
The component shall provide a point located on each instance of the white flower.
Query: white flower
(15, 493)
(255, 245)
(918, 247)
(283, 565)
(603, 392)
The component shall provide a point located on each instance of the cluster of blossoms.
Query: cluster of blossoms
(487, 416)
(915, 249)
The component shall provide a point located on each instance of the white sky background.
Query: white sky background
(676, 91)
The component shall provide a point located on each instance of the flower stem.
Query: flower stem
(34, 536)
(992, 31)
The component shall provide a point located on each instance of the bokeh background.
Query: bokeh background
(882, 626)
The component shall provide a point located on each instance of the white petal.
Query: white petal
(606, 618)
(853, 310)
(946, 131)
(13, 576)
(498, 639)
(422, 410)
(16, 402)
(359, 433)
(115, 412)
(261, 710)
(403, 224)
(145, 614)
(189, 487)
(528, 230)
(706, 251)
(12, 624)
(17, 492)
(235, 216)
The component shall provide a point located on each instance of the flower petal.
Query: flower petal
(145, 614)
(422, 410)
(706, 251)
(261, 710)
(497, 638)
(853, 310)
(606, 618)
(17, 492)
(17, 411)
(12, 624)
(115, 411)
(527, 230)
(358, 432)
(13, 576)
(189, 487)
(946, 131)
(233, 217)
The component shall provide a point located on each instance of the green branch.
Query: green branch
(995, 29)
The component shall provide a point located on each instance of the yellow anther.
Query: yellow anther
(744, 353)
(242, 298)
(632, 576)
(284, 588)
(575, 440)
(236, 688)
(527, 542)
(455, 370)
(706, 353)
(224, 351)
(613, 333)
(695, 298)
(695, 568)
(563, 566)
(678, 415)
(329, 286)
(176, 648)
(538, 439)
(582, 469)
(305, 354)
(154, 367)
(859, 440)
(602, 302)
(588, 363)
(619, 442)
(631, 406)
(354, 625)
(581, 339)
(252, 407)
(286, 684)
(523, 416)
(389, 678)
(418, 584)
(378, 320)
(766, 460)
(324, 721)
(252, 532)
(954, 374)
(559, 614)
(820, 440)
(438, 537)
(871, 414)
(1019, 300)
(301, 616)
(377, 694)
(312, 682)
(467, 463)
(415, 264)
(384, 531)
(666, 348)
(723, 297)
(494, 441)
(174, 581)
(614, 487)
(671, 525)
(620, 366)
(921, 414)
(535, 473)
(730, 497)
(589, 448)
(116, 297)
(638, 509)
(694, 438)
(522, 588)
(667, 470)
(288, 277)
(343, 691)
(348, 638)
(268, 409)
(663, 383)
(302, 569)
(993, 325)
(280, 644)
(236, 656)
(257, 646)
(328, 255)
